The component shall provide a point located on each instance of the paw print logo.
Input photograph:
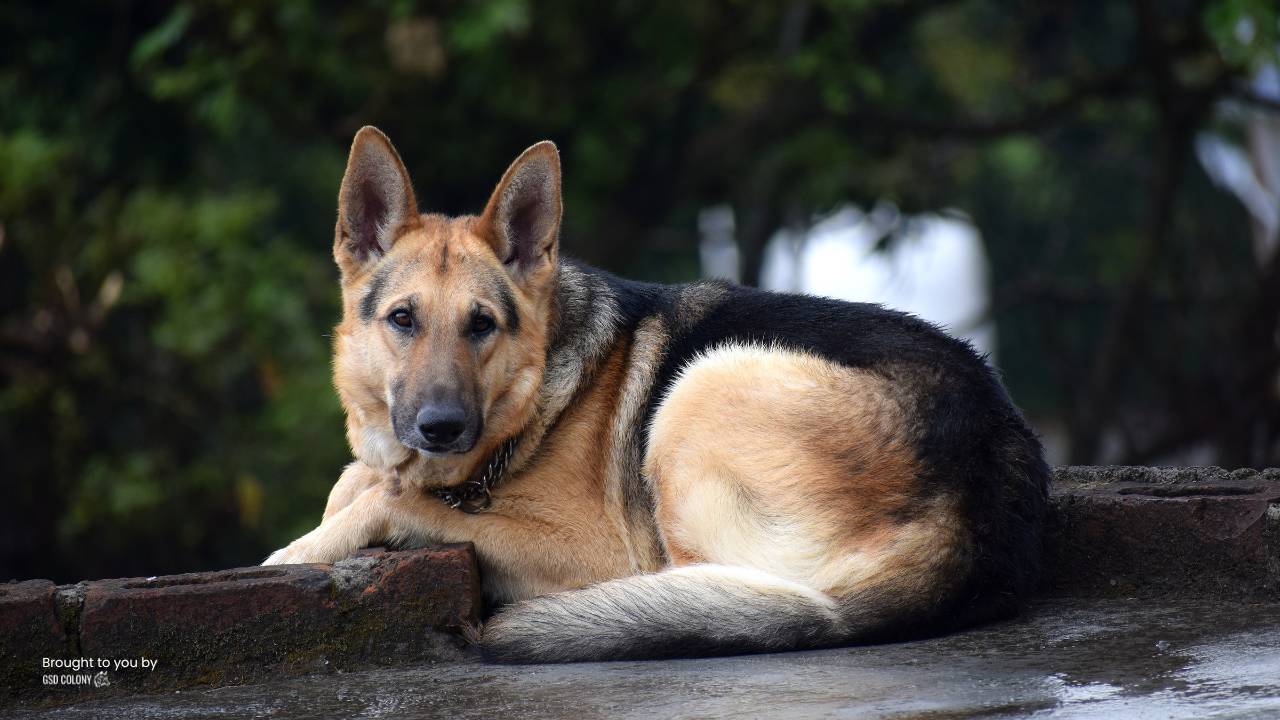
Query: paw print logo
(101, 680)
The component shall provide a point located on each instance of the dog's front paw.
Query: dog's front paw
(296, 553)
(279, 557)
(338, 537)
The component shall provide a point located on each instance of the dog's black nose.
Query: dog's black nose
(441, 425)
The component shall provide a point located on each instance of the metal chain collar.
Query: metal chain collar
(472, 496)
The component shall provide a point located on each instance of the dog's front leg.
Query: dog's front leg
(361, 522)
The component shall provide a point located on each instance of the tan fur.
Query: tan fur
(815, 502)
(530, 541)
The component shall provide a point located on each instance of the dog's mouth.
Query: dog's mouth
(435, 451)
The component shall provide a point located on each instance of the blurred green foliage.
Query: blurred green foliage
(168, 174)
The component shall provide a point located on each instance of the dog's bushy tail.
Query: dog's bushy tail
(689, 611)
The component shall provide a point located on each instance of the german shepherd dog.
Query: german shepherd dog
(657, 471)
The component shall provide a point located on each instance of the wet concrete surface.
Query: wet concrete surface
(1063, 659)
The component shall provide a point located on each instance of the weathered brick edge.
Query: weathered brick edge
(1148, 532)
(237, 626)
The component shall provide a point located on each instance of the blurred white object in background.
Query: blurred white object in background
(718, 247)
(1251, 172)
(935, 267)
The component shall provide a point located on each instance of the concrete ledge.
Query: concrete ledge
(1111, 532)
(220, 628)
(1126, 531)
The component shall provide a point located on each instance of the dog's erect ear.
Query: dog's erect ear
(375, 200)
(522, 219)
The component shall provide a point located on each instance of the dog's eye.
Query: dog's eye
(401, 319)
(481, 325)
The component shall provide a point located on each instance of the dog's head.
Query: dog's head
(442, 344)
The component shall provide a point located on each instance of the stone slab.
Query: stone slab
(1064, 659)
(1121, 531)
(243, 625)
(1112, 532)
(30, 631)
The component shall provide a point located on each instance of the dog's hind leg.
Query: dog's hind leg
(794, 465)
